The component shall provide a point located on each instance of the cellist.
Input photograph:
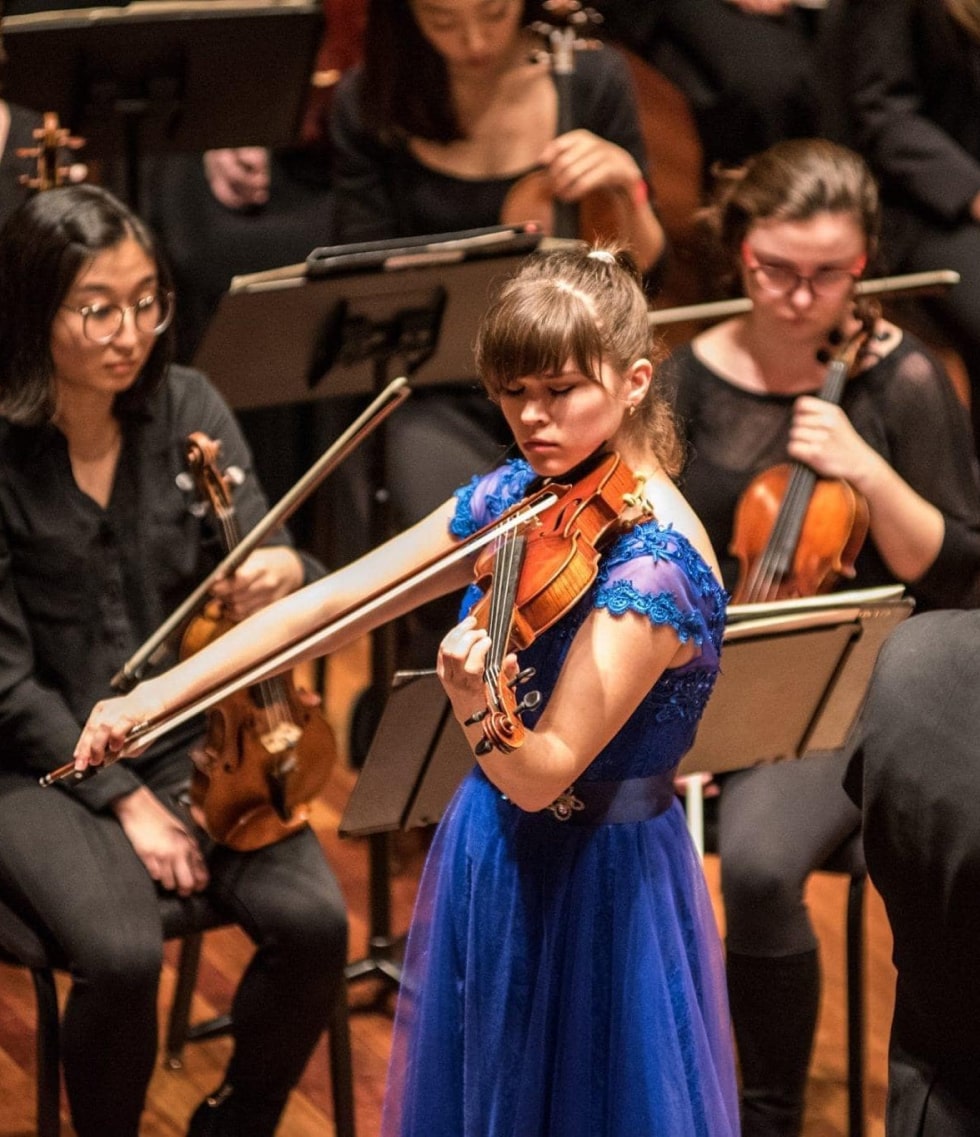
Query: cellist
(562, 975)
(451, 107)
(99, 544)
(797, 227)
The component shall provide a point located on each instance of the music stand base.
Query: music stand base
(383, 963)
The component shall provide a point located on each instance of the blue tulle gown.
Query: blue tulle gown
(565, 978)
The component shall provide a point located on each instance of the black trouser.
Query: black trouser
(78, 872)
(776, 825)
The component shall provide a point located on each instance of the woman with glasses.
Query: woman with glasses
(798, 227)
(98, 545)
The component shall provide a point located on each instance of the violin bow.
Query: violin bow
(315, 644)
(936, 279)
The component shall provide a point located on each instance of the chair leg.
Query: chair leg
(855, 1006)
(48, 1053)
(180, 1008)
(341, 1068)
(179, 1028)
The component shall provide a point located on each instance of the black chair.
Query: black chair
(24, 944)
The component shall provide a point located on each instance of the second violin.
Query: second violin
(797, 534)
(268, 751)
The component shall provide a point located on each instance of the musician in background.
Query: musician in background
(798, 226)
(911, 74)
(98, 546)
(746, 67)
(431, 134)
(913, 769)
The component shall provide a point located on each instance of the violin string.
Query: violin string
(764, 579)
(507, 563)
(270, 690)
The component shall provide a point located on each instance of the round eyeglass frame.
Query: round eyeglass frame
(796, 279)
(165, 299)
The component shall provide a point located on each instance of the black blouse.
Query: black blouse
(385, 192)
(82, 587)
(904, 406)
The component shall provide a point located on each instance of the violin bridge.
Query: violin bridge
(281, 738)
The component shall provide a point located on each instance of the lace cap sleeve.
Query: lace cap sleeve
(656, 572)
(484, 498)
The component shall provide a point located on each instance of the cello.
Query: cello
(603, 215)
(267, 751)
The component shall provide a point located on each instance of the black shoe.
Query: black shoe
(225, 1114)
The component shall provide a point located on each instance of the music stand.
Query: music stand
(417, 758)
(329, 326)
(793, 679)
(157, 77)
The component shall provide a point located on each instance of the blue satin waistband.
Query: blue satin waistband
(615, 803)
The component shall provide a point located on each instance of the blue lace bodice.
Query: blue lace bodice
(652, 570)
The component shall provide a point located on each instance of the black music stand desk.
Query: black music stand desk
(334, 325)
(792, 681)
(157, 76)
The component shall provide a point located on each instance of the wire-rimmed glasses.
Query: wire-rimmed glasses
(101, 323)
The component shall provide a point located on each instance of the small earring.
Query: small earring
(632, 411)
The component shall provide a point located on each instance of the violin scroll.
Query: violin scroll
(503, 722)
(51, 139)
(567, 20)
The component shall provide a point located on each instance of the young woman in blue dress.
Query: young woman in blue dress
(563, 972)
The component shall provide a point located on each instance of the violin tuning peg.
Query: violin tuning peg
(530, 702)
(477, 716)
(484, 746)
(235, 475)
(198, 509)
(522, 677)
(184, 482)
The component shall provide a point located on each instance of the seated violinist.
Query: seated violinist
(99, 546)
(798, 227)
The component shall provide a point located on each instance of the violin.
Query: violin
(602, 215)
(51, 139)
(796, 534)
(535, 575)
(267, 751)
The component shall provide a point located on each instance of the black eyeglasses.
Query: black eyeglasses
(781, 280)
(101, 323)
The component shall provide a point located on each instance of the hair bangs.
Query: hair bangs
(539, 334)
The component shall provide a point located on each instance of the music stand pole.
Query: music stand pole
(380, 961)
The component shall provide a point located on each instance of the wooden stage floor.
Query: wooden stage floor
(174, 1094)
